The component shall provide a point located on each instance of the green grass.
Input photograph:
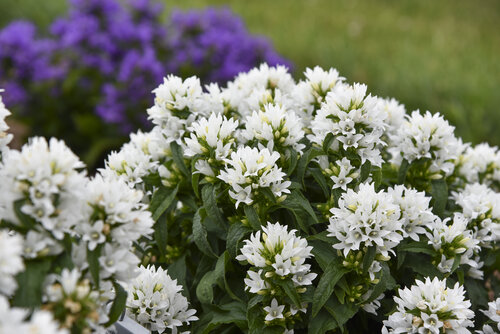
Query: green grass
(441, 56)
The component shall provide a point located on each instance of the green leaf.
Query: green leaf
(290, 291)
(118, 305)
(253, 218)
(162, 199)
(439, 196)
(368, 258)
(417, 247)
(204, 290)
(292, 161)
(93, 261)
(476, 291)
(386, 282)
(327, 142)
(30, 283)
(236, 232)
(377, 177)
(304, 161)
(365, 170)
(341, 312)
(200, 235)
(231, 313)
(326, 284)
(322, 323)
(320, 180)
(178, 158)
(323, 253)
(456, 263)
(210, 205)
(403, 169)
(177, 270)
(296, 201)
(25, 220)
(161, 235)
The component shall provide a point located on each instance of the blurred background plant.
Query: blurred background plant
(441, 56)
(88, 79)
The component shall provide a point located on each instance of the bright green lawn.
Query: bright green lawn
(437, 55)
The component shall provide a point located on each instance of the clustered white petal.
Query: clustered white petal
(155, 301)
(15, 320)
(250, 170)
(426, 137)
(11, 262)
(430, 307)
(493, 314)
(354, 119)
(5, 137)
(366, 218)
(480, 163)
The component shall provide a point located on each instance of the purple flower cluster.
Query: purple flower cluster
(110, 53)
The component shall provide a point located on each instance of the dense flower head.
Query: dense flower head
(366, 218)
(415, 210)
(73, 301)
(341, 172)
(450, 238)
(155, 301)
(430, 307)
(354, 119)
(395, 114)
(11, 261)
(480, 163)
(44, 180)
(429, 137)
(276, 128)
(481, 207)
(250, 169)
(212, 140)
(15, 320)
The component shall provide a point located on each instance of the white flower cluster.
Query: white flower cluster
(15, 320)
(366, 218)
(212, 139)
(249, 170)
(155, 301)
(43, 181)
(493, 314)
(69, 292)
(277, 252)
(427, 137)
(480, 164)
(274, 128)
(481, 207)
(116, 218)
(451, 238)
(355, 120)
(395, 115)
(5, 137)
(415, 210)
(430, 307)
(11, 262)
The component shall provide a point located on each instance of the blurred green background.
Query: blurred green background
(442, 56)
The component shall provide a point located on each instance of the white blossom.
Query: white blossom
(155, 301)
(480, 163)
(5, 137)
(354, 119)
(11, 262)
(430, 307)
(274, 311)
(250, 169)
(493, 314)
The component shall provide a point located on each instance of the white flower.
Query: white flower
(481, 207)
(426, 137)
(212, 138)
(5, 137)
(14, 320)
(155, 301)
(255, 283)
(415, 210)
(250, 169)
(276, 128)
(493, 313)
(46, 178)
(432, 307)
(480, 164)
(366, 218)
(354, 119)
(451, 240)
(11, 262)
(395, 114)
(274, 311)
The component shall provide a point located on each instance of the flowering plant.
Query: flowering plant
(269, 206)
(100, 60)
